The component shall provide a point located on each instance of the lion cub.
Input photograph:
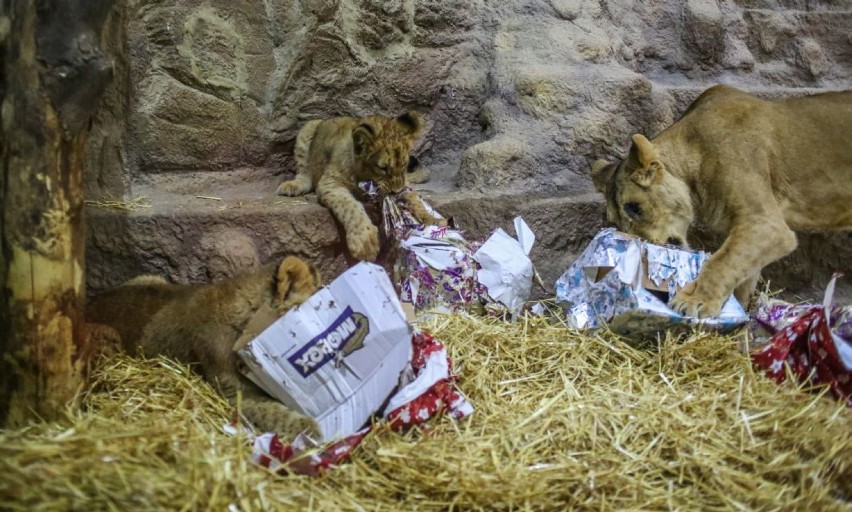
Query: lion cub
(750, 169)
(334, 155)
(199, 325)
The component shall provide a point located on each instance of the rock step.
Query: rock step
(797, 5)
(189, 239)
(814, 45)
(828, 25)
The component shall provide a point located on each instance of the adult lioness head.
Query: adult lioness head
(382, 145)
(643, 198)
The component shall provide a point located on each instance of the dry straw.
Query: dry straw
(127, 205)
(564, 420)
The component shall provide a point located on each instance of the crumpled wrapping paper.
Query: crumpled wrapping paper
(813, 341)
(435, 267)
(505, 268)
(429, 389)
(626, 283)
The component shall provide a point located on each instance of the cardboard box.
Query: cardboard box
(626, 283)
(337, 357)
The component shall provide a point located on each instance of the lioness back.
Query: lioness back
(805, 142)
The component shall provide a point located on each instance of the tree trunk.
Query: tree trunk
(53, 74)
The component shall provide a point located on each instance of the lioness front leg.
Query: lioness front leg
(362, 237)
(418, 209)
(750, 246)
(745, 290)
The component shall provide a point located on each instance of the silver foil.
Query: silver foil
(621, 299)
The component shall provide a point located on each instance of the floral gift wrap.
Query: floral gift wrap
(435, 267)
(626, 283)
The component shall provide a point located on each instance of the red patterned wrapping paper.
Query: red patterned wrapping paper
(816, 345)
(430, 392)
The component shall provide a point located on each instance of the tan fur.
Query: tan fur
(199, 325)
(416, 172)
(749, 169)
(334, 155)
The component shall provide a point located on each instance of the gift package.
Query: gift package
(626, 283)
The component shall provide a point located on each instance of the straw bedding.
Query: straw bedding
(563, 420)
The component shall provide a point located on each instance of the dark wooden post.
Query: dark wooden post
(53, 75)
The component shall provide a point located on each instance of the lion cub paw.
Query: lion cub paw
(296, 281)
(363, 242)
(293, 188)
(428, 220)
(690, 302)
(270, 416)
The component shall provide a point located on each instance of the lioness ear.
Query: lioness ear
(602, 174)
(650, 167)
(362, 137)
(411, 123)
(645, 151)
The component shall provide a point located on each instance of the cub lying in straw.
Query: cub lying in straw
(334, 155)
(749, 169)
(199, 325)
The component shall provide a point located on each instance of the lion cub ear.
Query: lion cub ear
(362, 137)
(602, 174)
(650, 167)
(411, 123)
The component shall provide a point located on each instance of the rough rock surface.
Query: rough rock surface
(519, 95)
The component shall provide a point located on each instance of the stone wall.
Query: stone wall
(520, 95)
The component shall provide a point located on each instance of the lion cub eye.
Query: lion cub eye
(633, 210)
(383, 168)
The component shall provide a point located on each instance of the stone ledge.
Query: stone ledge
(190, 240)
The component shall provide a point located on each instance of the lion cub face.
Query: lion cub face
(382, 147)
(643, 198)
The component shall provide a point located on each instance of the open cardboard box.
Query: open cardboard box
(337, 357)
(626, 283)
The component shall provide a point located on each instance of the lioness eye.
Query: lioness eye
(384, 169)
(633, 210)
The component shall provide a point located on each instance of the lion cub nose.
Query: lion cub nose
(677, 242)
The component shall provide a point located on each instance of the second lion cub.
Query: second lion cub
(334, 155)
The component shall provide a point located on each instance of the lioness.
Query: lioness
(199, 325)
(334, 155)
(749, 169)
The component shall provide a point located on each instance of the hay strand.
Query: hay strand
(128, 205)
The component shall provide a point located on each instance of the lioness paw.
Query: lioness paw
(363, 243)
(689, 302)
(293, 188)
(296, 281)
